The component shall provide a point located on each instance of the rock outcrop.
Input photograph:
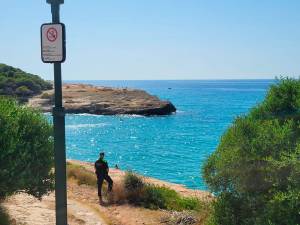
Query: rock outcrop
(82, 98)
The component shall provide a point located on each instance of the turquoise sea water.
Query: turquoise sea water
(170, 148)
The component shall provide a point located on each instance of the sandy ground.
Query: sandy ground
(25, 209)
(84, 209)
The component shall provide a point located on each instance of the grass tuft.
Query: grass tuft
(82, 175)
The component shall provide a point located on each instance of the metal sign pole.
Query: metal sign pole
(59, 134)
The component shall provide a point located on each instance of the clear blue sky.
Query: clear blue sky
(158, 39)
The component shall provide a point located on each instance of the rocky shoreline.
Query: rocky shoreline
(82, 98)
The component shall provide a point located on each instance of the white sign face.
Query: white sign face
(53, 42)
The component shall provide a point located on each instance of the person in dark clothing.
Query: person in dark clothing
(101, 170)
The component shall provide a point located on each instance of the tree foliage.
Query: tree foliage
(26, 150)
(255, 171)
(15, 82)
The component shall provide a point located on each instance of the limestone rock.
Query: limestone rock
(82, 98)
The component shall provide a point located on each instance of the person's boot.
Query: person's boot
(101, 202)
(110, 197)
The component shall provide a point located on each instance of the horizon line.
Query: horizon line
(223, 79)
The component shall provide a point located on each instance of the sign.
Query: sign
(53, 47)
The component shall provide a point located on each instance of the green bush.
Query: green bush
(133, 182)
(153, 198)
(256, 168)
(4, 217)
(134, 186)
(26, 150)
(23, 91)
(46, 95)
(157, 197)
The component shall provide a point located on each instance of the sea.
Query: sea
(172, 148)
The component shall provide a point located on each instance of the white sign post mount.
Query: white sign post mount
(53, 47)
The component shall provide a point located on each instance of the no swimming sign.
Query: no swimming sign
(53, 42)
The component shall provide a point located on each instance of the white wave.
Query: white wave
(133, 137)
(180, 111)
(73, 114)
(237, 89)
(130, 115)
(75, 126)
(87, 114)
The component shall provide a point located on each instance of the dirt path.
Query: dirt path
(114, 214)
(83, 209)
(25, 209)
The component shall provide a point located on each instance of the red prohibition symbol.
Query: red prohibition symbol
(51, 34)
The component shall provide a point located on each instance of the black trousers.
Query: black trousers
(100, 182)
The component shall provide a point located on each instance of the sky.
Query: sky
(158, 39)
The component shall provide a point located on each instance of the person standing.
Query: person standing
(101, 170)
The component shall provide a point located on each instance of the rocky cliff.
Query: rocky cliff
(81, 98)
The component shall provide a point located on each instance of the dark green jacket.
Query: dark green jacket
(101, 167)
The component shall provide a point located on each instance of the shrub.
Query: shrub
(157, 197)
(153, 198)
(134, 186)
(4, 217)
(133, 182)
(26, 150)
(23, 91)
(47, 96)
(256, 168)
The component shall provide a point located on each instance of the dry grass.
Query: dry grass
(81, 175)
(119, 195)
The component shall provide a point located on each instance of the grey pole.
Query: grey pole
(59, 134)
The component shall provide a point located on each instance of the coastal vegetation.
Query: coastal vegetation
(255, 170)
(22, 85)
(157, 197)
(26, 150)
(135, 191)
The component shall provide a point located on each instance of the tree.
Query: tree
(15, 82)
(26, 150)
(255, 171)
